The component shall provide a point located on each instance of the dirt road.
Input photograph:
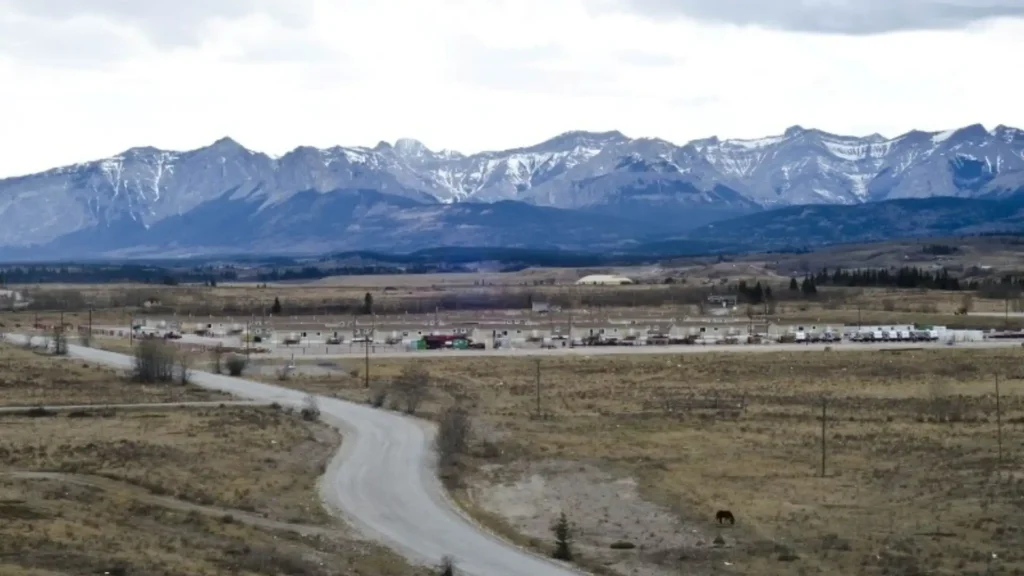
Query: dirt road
(383, 480)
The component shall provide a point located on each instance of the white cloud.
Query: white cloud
(829, 16)
(83, 83)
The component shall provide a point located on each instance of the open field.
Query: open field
(31, 377)
(168, 491)
(998, 254)
(645, 449)
(225, 457)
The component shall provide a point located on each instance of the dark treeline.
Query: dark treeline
(316, 273)
(756, 294)
(592, 298)
(905, 277)
(107, 274)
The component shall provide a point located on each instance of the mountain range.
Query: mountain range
(576, 190)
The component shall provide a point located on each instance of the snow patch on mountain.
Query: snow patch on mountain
(574, 170)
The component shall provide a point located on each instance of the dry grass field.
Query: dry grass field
(32, 377)
(1000, 254)
(162, 492)
(646, 449)
(228, 457)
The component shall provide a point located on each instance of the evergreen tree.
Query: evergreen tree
(808, 287)
(757, 295)
(563, 539)
(276, 308)
(368, 304)
(447, 567)
(793, 286)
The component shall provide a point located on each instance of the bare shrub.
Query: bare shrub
(217, 354)
(60, 341)
(454, 429)
(378, 396)
(184, 366)
(310, 408)
(447, 567)
(888, 305)
(945, 406)
(236, 364)
(412, 386)
(154, 362)
(966, 304)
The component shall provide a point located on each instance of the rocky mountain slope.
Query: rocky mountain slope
(604, 187)
(810, 226)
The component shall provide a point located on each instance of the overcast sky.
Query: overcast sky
(84, 79)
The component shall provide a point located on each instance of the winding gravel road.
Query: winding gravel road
(383, 481)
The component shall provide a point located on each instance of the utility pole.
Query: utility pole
(571, 339)
(999, 432)
(824, 420)
(366, 369)
(766, 311)
(538, 387)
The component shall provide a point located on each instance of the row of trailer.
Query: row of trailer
(916, 335)
(871, 334)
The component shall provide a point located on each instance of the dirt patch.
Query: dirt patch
(613, 525)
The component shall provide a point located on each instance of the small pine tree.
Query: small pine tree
(793, 286)
(447, 567)
(808, 287)
(368, 304)
(276, 308)
(563, 539)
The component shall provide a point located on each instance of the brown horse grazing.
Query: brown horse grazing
(724, 515)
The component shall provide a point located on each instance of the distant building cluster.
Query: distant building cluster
(13, 300)
(545, 329)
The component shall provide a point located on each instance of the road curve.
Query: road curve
(383, 481)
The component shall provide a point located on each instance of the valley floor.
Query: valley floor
(641, 451)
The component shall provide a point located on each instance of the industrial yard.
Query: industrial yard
(512, 330)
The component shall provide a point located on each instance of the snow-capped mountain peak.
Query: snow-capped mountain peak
(639, 178)
(411, 147)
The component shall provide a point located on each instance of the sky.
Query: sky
(87, 79)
